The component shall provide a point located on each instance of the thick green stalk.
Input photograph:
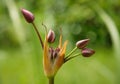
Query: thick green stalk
(51, 80)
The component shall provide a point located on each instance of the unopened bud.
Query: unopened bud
(86, 52)
(27, 15)
(82, 43)
(51, 36)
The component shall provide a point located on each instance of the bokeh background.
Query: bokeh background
(21, 53)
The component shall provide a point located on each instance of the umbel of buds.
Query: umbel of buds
(27, 15)
(86, 52)
(54, 58)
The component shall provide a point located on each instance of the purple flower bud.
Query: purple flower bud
(82, 43)
(27, 15)
(86, 52)
(56, 52)
(51, 36)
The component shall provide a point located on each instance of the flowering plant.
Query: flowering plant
(54, 58)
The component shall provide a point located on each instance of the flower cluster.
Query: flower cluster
(86, 52)
(54, 58)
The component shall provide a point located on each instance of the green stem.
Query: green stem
(67, 59)
(71, 52)
(41, 42)
(45, 28)
(51, 80)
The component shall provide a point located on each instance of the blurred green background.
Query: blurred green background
(21, 53)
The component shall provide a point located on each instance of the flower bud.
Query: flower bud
(51, 36)
(27, 15)
(86, 52)
(82, 43)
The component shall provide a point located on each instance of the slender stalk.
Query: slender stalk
(67, 59)
(41, 42)
(51, 80)
(71, 52)
(45, 28)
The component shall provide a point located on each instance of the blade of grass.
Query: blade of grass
(15, 20)
(111, 27)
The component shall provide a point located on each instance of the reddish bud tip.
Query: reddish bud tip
(51, 36)
(27, 15)
(82, 43)
(86, 52)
